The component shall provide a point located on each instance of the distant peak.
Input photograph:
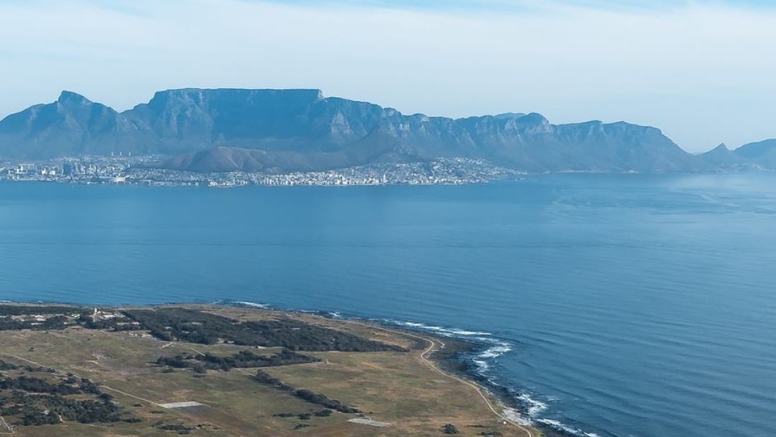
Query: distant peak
(69, 97)
(719, 151)
(189, 91)
(533, 118)
(510, 116)
(201, 95)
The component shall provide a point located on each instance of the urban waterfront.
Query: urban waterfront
(142, 170)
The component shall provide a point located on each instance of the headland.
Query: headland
(214, 370)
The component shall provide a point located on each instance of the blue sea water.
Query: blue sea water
(621, 305)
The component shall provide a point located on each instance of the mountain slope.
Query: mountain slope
(725, 159)
(65, 127)
(289, 130)
(762, 153)
(229, 159)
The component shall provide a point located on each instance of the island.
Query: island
(217, 370)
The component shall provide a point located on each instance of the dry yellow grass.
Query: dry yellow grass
(402, 389)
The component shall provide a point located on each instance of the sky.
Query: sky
(702, 71)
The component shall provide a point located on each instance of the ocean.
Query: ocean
(610, 305)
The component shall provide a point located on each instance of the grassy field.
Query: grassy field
(399, 388)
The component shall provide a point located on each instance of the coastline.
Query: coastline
(459, 359)
(453, 353)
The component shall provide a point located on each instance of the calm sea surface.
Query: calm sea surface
(632, 305)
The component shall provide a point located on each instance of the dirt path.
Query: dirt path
(22, 359)
(432, 345)
(229, 429)
(4, 427)
(424, 357)
(123, 393)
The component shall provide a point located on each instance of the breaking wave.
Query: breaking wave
(447, 332)
(566, 429)
(250, 304)
(530, 409)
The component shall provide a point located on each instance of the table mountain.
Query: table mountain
(289, 130)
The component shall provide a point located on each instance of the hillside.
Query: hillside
(763, 153)
(206, 376)
(300, 130)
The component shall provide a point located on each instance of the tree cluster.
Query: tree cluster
(55, 323)
(305, 395)
(305, 416)
(242, 359)
(204, 328)
(177, 427)
(38, 385)
(38, 401)
(450, 429)
(23, 310)
(7, 366)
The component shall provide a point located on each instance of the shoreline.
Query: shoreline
(449, 353)
(459, 362)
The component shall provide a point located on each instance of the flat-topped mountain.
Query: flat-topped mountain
(301, 130)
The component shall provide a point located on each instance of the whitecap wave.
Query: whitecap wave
(531, 414)
(567, 429)
(447, 332)
(516, 416)
(482, 366)
(532, 406)
(252, 304)
(496, 351)
(481, 360)
(531, 409)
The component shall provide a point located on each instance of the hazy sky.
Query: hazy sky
(703, 71)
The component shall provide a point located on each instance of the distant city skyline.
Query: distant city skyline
(701, 71)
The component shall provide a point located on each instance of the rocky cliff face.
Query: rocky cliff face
(64, 127)
(293, 129)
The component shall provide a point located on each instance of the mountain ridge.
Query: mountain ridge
(303, 130)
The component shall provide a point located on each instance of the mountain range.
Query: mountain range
(276, 131)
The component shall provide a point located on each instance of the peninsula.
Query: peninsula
(229, 371)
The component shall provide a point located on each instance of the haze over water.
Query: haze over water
(633, 305)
